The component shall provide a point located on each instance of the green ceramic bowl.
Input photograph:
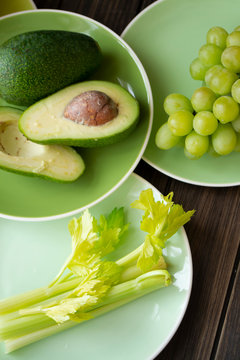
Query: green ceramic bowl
(166, 36)
(136, 331)
(106, 167)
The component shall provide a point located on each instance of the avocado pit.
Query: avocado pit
(91, 108)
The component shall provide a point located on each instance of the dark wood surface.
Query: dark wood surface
(211, 326)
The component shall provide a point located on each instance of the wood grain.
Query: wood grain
(230, 332)
(47, 4)
(113, 13)
(214, 238)
(210, 328)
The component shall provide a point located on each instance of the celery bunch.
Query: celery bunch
(89, 285)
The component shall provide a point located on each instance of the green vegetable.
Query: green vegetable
(90, 283)
(36, 64)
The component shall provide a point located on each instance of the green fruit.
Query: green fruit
(36, 64)
(19, 155)
(77, 116)
(180, 123)
(224, 139)
(165, 139)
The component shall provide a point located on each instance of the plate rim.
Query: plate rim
(169, 173)
(185, 303)
(139, 15)
(186, 180)
(188, 294)
(150, 117)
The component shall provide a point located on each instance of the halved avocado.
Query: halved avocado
(88, 114)
(20, 155)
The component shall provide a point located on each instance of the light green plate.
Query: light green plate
(106, 167)
(166, 36)
(136, 331)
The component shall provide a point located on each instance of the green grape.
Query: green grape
(211, 72)
(175, 102)
(236, 90)
(210, 54)
(196, 144)
(225, 109)
(190, 156)
(236, 124)
(224, 139)
(212, 152)
(217, 36)
(203, 99)
(220, 80)
(233, 39)
(164, 139)
(181, 122)
(237, 28)
(231, 58)
(205, 123)
(197, 69)
(237, 147)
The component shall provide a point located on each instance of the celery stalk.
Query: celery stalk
(17, 302)
(119, 295)
(151, 280)
(26, 324)
(134, 271)
(30, 310)
(128, 274)
(130, 258)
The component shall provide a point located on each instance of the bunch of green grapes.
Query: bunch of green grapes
(210, 120)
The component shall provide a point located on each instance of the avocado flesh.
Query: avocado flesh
(20, 155)
(36, 64)
(45, 123)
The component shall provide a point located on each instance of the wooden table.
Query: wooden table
(211, 326)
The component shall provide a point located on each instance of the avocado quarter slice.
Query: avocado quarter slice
(48, 122)
(22, 156)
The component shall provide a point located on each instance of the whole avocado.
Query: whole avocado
(36, 64)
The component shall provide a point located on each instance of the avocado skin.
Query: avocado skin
(36, 64)
(87, 143)
(31, 174)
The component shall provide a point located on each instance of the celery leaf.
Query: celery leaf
(161, 220)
